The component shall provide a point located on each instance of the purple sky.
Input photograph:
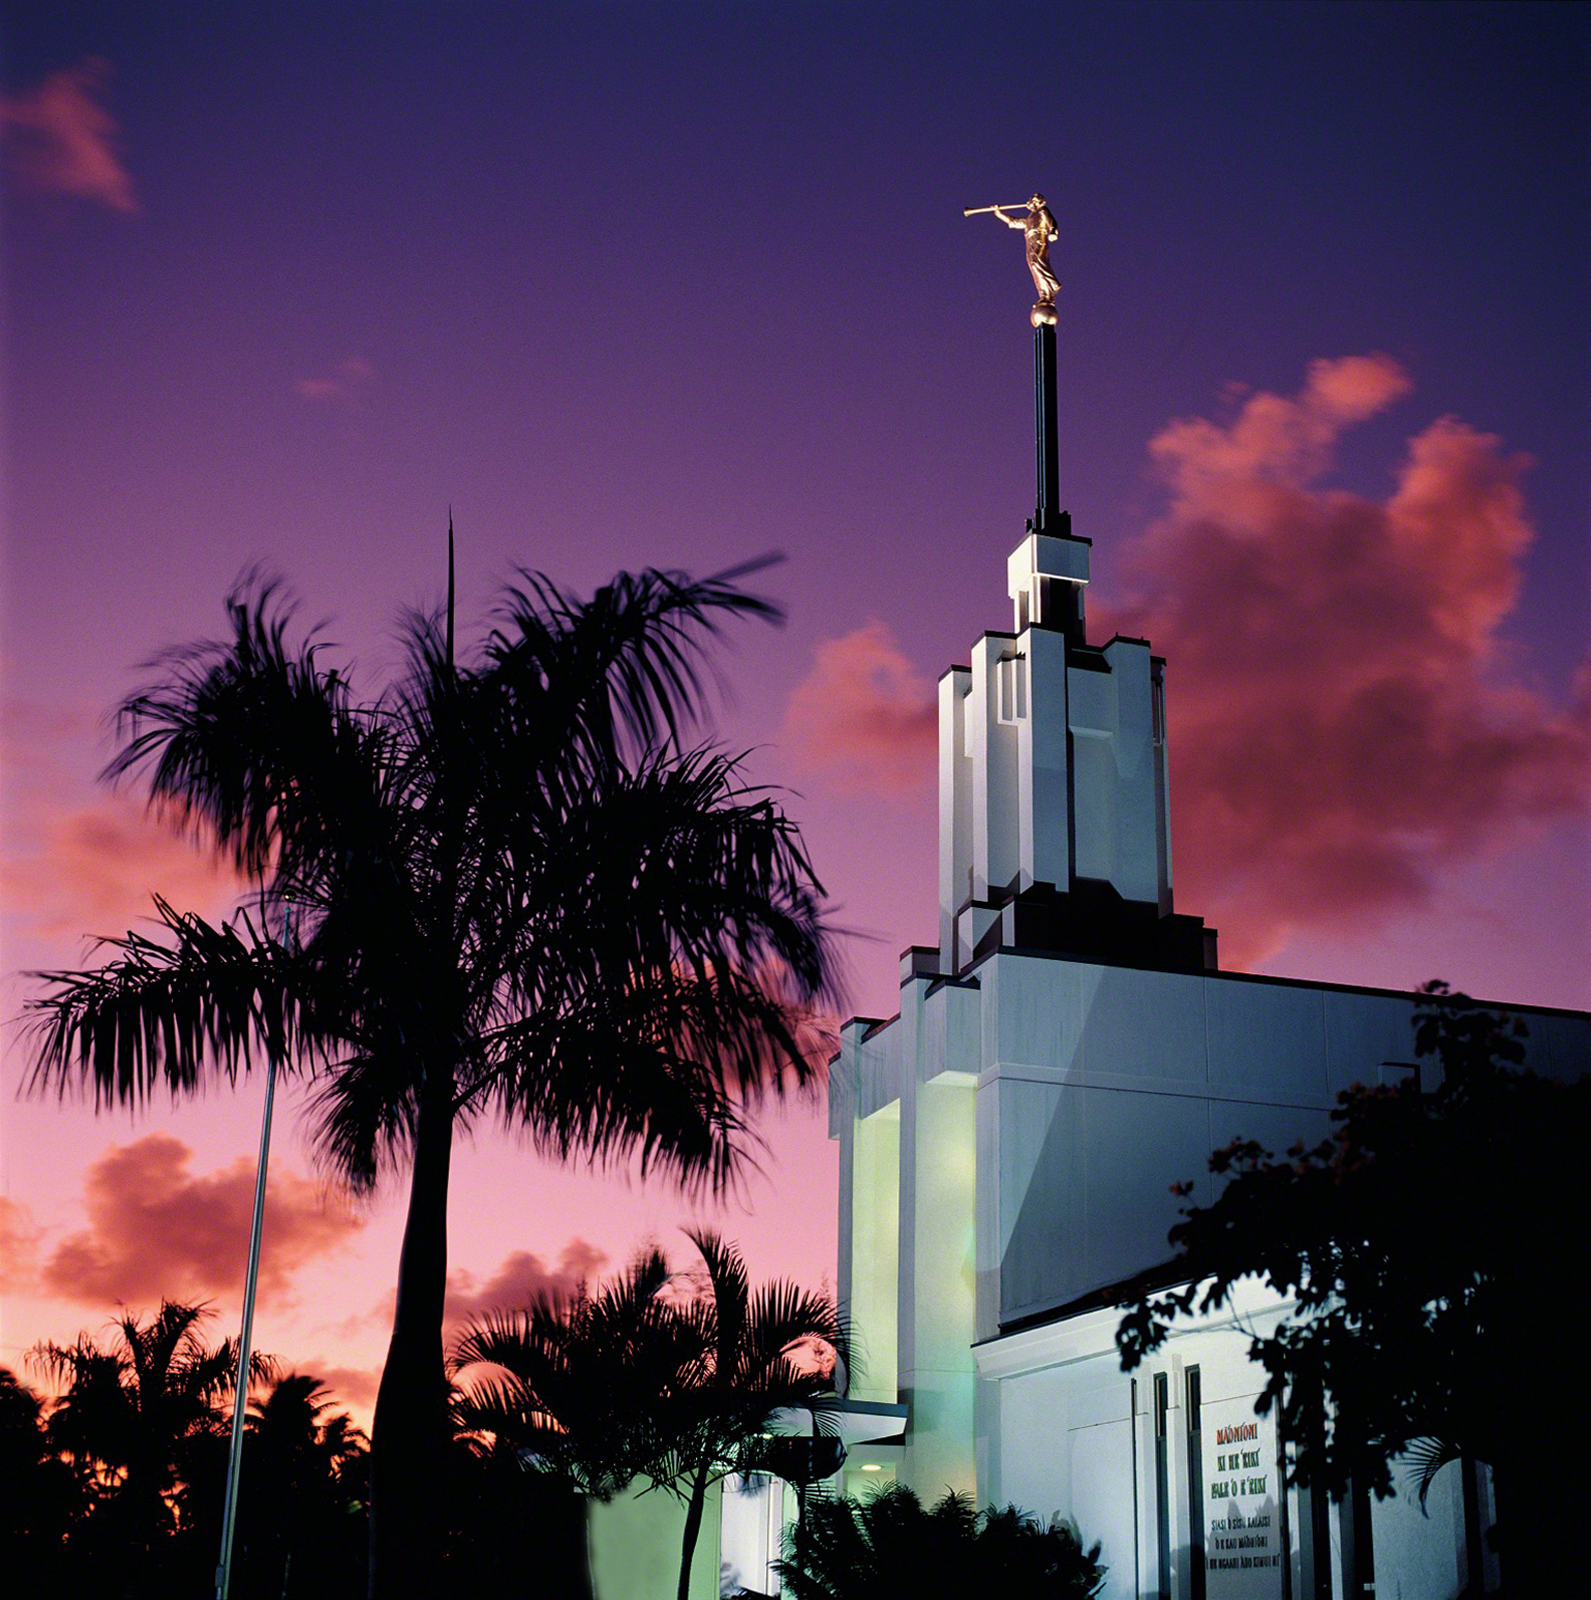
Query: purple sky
(683, 285)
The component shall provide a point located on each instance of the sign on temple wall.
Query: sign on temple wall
(1243, 1548)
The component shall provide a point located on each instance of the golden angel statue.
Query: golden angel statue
(1038, 228)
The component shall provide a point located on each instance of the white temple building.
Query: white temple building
(1066, 1052)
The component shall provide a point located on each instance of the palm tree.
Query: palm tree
(779, 1348)
(133, 1415)
(634, 1382)
(570, 1391)
(513, 893)
(573, 1386)
(300, 1491)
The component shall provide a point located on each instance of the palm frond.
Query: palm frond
(624, 666)
(166, 1009)
(1425, 1458)
(250, 741)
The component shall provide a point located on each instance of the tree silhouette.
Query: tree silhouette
(758, 1353)
(303, 1487)
(512, 893)
(569, 1391)
(887, 1543)
(638, 1380)
(43, 1502)
(133, 1419)
(1432, 1248)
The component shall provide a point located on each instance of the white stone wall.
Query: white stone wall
(1051, 762)
(1009, 1143)
(1070, 1433)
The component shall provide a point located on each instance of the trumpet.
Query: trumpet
(976, 211)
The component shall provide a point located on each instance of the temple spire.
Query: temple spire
(1047, 517)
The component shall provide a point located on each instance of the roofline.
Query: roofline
(877, 1025)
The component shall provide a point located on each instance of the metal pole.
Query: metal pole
(223, 1571)
(1049, 473)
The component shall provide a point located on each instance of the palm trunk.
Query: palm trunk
(693, 1527)
(408, 1446)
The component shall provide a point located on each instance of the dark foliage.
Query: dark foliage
(44, 1499)
(640, 1382)
(887, 1545)
(116, 1486)
(1434, 1249)
(511, 1530)
(136, 1418)
(302, 1527)
(503, 889)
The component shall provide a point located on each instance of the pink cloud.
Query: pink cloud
(156, 1229)
(1344, 723)
(352, 1388)
(343, 385)
(61, 141)
(863, 717)
(94, 869)
(519, 1279)
(78, 861)
(19, 1247)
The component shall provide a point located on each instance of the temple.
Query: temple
(1064, 1053)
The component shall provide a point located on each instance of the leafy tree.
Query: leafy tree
(512, 893)
(1433, 1248)
(888, 1544)
(133, 1418)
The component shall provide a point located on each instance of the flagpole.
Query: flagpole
(223, 1571)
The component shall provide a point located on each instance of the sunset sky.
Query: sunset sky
(687, 284)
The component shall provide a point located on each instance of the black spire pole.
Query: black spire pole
(1047, 517)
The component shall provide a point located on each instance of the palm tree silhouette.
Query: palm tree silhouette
(573, 1385)
(637, 1381)
(514, 894)
(134, 1415)
(779, 1348)
(301, 1491)
(570, 1390)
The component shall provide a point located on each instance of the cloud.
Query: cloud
(60, 141)
(863, 717)
(77, 861)
(518, 1280)
(19, 1248)
(157, 1230)
(345, 384)
(95, 868)
(1345, 723)
(352, 1388)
